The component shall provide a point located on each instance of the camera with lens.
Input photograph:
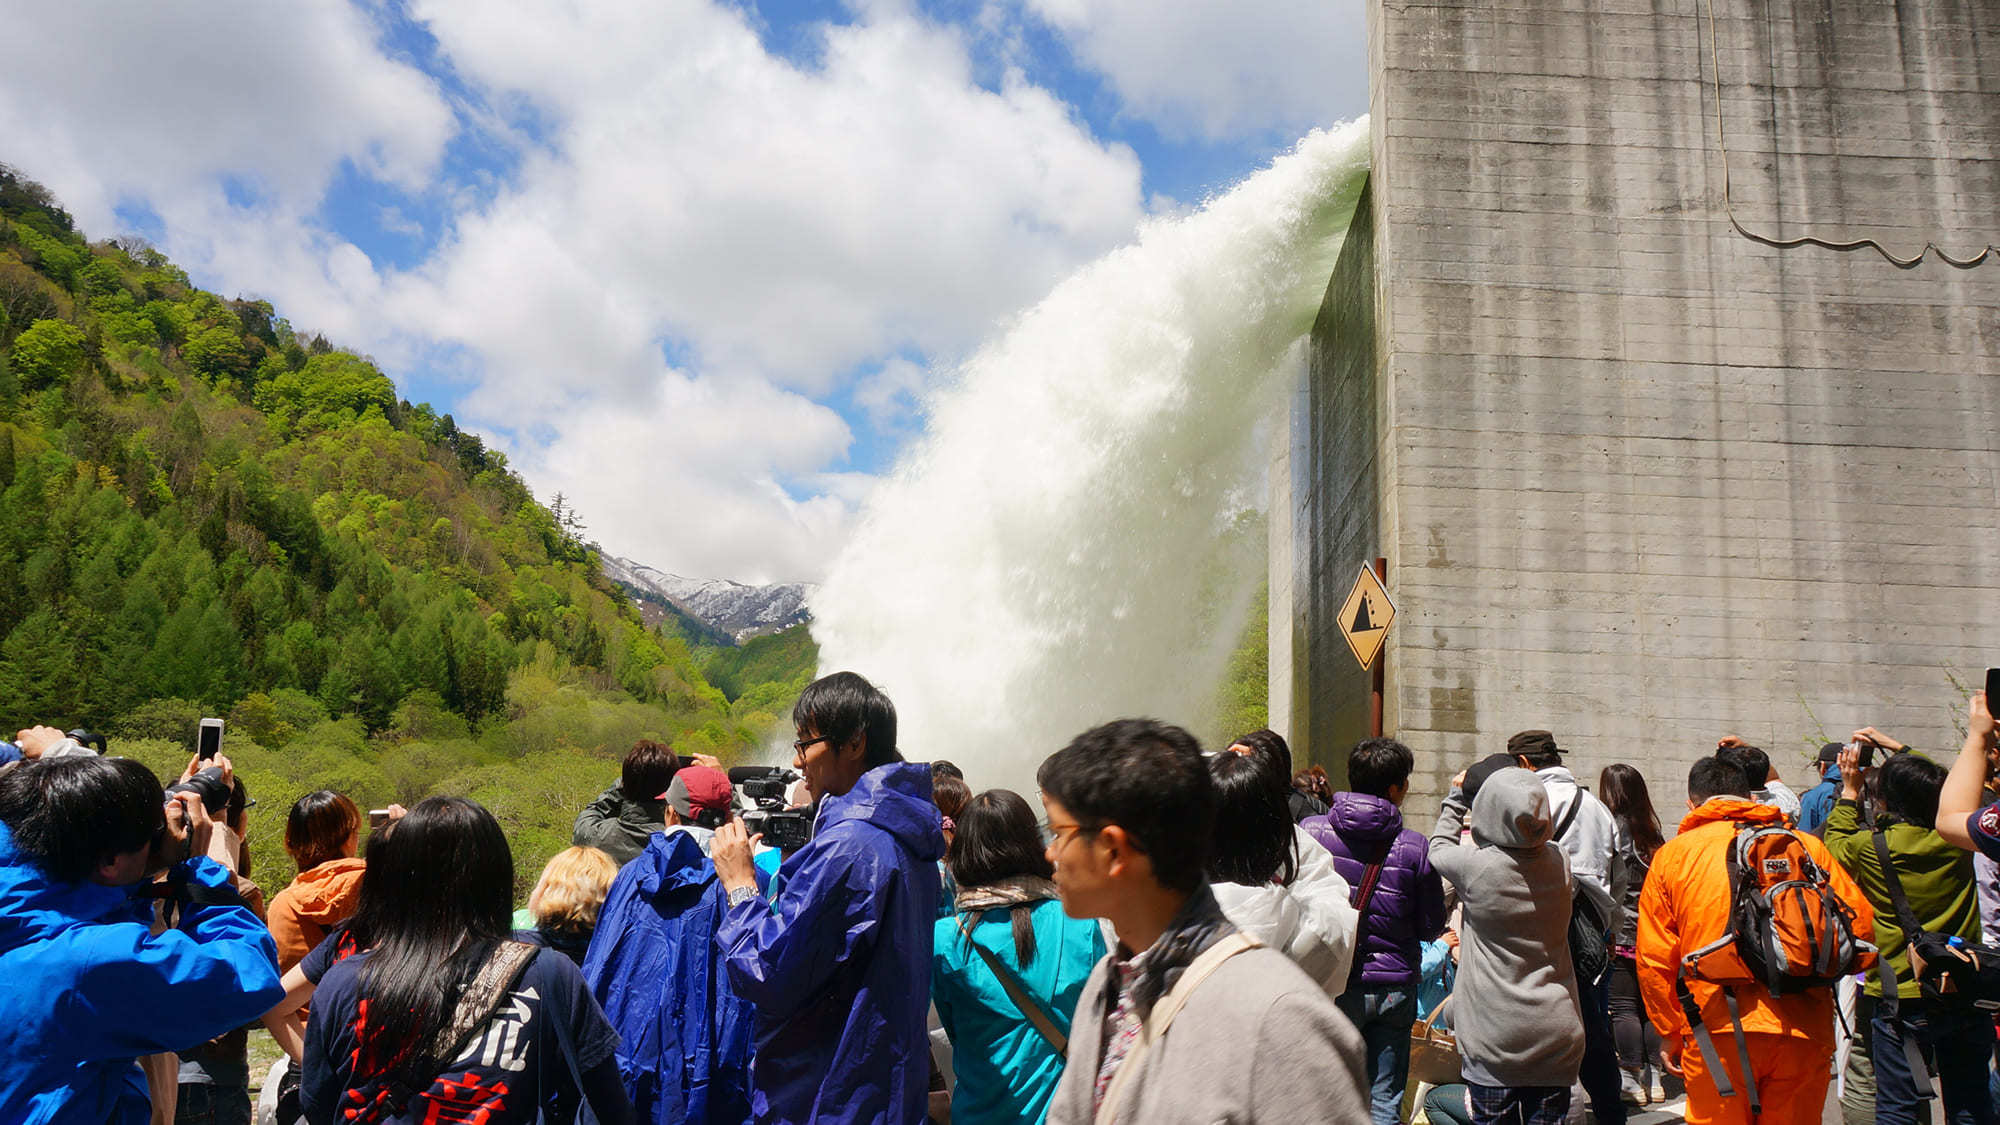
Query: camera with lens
(785, 829)
(208, 784)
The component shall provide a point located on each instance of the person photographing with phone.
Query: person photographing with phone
(1917, 883)
(90, 986)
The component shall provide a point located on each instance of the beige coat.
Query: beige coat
(1256, 1041)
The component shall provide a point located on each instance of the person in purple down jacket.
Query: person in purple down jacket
(1401, 902)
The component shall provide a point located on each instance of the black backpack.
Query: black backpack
(1589, 952)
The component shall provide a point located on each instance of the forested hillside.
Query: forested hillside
(206, 511)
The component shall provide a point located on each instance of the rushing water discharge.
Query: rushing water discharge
(1048, 555)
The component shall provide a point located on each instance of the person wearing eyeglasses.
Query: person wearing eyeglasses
(839, 966)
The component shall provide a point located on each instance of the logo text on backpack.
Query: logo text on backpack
(1777, 866)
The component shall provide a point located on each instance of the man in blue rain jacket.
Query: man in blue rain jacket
(88, 987)
(839, 967)
(654, 965)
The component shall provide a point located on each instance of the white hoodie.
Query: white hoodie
(1593, 843)
(1311, 921)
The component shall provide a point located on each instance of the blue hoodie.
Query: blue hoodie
(89, 988)
(840, 966)
(654, 966)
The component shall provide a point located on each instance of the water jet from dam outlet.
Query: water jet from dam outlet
(1055, 550)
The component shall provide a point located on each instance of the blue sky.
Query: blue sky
(694, 263)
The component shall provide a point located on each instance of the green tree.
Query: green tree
(217, 354)
(47, 354)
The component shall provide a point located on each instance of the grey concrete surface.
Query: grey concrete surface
(1643, 479)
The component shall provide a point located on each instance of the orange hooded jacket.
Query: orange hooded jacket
(1685, 905)
(318, 900)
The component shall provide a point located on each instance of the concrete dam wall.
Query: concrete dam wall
(1647, 468)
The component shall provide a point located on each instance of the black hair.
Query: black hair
(318, 828)
(648, 769)
(1270, 745)
(845, 704)
(1755, 764)
(1716, 777)
(998, 839)
(1910, 787)
(1254, 841)
(1377, 765)
(435, 900)
(1623, 791)
(942, 768)
(1148, 778)
(71, 815)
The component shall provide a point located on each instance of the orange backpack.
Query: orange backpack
(1788, 931)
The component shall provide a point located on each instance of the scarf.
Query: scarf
(1199, 925)
(1017, 890)
(1140, 981)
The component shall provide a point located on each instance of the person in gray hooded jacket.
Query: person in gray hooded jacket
(1522, 1043)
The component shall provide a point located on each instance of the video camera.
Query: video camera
(785, 829)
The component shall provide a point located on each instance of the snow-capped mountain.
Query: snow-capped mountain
(731, 608)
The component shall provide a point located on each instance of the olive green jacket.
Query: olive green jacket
(1937, 878)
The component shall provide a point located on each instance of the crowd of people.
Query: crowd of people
(1157, 935)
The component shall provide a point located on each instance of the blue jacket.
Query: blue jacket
(655, 968)
(1006, 1070)
(840, 966)
(1816, 804)
(89, 989)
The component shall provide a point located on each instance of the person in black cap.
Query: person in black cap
(1816, 804)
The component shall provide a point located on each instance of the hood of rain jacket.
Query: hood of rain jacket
(655, 968)
(840, 966)
(1408, 905)
(90, 988)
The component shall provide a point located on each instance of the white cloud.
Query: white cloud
(689, 477)
(1219, 69)
(785, 221)
(106, 101)
(892, 393)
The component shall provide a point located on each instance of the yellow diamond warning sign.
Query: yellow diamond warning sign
(1365, 618)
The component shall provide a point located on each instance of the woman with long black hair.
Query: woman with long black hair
(1266, 880)
(1007, 937)
(439, 1016)
(1623, 791)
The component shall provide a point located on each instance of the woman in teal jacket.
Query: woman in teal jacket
(1008, 929)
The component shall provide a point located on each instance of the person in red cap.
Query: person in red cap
(656, 969)
(698, 800)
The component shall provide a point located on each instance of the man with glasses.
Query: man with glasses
(1187, 1019)
(839, 966)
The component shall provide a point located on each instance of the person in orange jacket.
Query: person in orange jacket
(1685, 906)
(322, 833)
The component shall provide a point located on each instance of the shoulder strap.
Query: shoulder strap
(1371, 876)
(1569, 818)
(1906, 918)
(1163, 1014)
(476, 1005)
(1038, 1017)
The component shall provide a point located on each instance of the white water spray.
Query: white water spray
(1045, 557)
